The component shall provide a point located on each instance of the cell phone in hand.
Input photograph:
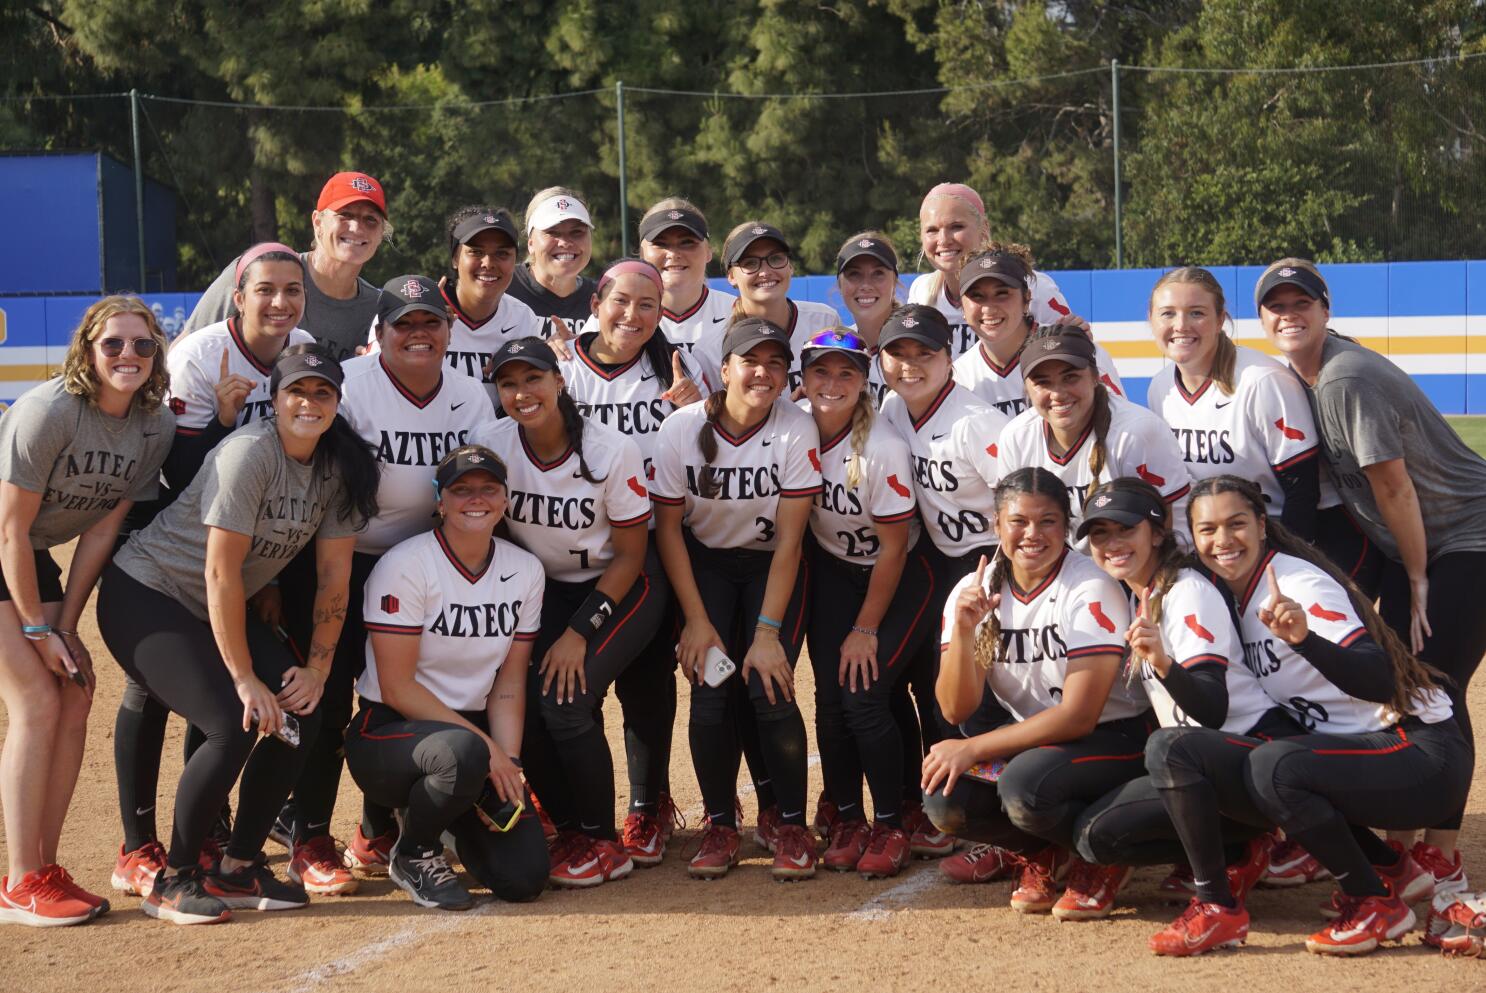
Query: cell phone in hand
(288, 731)
(497, 814)
(717, 667)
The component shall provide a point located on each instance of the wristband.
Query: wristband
(593, 615)
(36, 632)
(869, 632)
(769, 622)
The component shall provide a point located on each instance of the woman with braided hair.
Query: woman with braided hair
(1043, 628)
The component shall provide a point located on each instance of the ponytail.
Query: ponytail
(1099, 453)
(343, 454)
(707, 485)
(572, 423)
(658, 349)
(861, 427)
(988, 640)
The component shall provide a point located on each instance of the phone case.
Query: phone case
(717, 667)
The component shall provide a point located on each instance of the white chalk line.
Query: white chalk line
(881, 906)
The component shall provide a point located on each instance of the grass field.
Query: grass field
(1472, 430)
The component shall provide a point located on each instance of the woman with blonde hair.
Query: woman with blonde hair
(559, 246)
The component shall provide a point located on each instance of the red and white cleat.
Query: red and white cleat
(1457, 924)
(718, 853)
(1037, 889)
(794, 853)
(848, 843)
(1091, 891)
(1363, 924)
(979, 864)
(135, 871)
(320, 869)
(887, 852)
(591, 864)
(1291, 865)
(370, 855)
(1448, 872)
(1201, 928)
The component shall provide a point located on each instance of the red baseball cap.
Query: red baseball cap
(349, 187)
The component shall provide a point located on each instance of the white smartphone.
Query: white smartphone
(717, 667)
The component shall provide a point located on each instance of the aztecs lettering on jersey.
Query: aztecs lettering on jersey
(634, 417)
(479, 620)
(550, 510)
(419, 448)
(1205, 447)
(1024, 645)
(747, 482)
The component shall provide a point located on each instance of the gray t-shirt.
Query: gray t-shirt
(1370, 411)
(338, 325)
(81, 460)
(249, 486)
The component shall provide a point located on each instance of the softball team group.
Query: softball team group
(423, 531)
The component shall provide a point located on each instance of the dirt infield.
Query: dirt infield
(660, 930)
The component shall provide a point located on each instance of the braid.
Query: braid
(988, 637)
(707, 485)
(572, 423)
(1099, 453)
(861, 426)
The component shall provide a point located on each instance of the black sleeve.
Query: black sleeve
(1201, 692)
(188, 452)
(1361, 670)
(1301, 484)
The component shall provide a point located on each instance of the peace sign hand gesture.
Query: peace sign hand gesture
(973, 604)
(1283, 616)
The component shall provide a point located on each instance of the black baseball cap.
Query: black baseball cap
(405, 294)
(1057, 343)
(676, 217)
(733, 250)
(867, 245)
(1302, 277)
(921, 323)
(747, 332)
(466, 459)
(1123, 504)
(840, 341)
(531, 350)
(302, 362)
(1000, 266)
(497, 220)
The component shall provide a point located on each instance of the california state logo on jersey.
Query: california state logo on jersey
(195, 366)
(1003, 387)
(1264, 427)
(845, 518)
(1048, 307)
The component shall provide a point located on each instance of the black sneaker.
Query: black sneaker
(283, 825)
(255, 887)
(221, 829)
(427, 878)
(183, 899)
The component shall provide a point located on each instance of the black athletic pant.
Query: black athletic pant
(434, 772)
(1042, 791)
(731, 583)
(563, 749)
(1349, 547)
(856, 730)
(1459, 639)
(646, 690)
(173, 655)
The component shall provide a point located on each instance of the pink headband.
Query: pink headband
(257, 252)
(960, 192)
(626, 266)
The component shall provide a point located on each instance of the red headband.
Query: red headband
(626, 266)
(257, 252)
(960, 192)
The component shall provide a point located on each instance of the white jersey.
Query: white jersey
(195, 366)
(1048, 307)
(1138, 443)
(1197, 627)
(876, 381)
(556, 514)
(409, 435)
(1286, 676)
(698, 331)
(806, 320)
(778, 457)
(626, 398)
(1075, 612)
(1002, 386)
(956, 465)
(844, 520)
(465, 621)
(1265, 427)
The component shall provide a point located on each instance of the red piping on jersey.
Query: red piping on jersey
(690, 311)
(907, 515)
(643, 518)
(919, 422)
(1107, 758)
(794, 316)
(366, 719)
(826, 446)
(471, 577)
(453, 304)
(1005, 373)
(1353, 638)
(1240, 744)
(722, 432)
(234, 331)
(1297, 459)
(532, 456)
(1066, 457)
(1208, 657)
(913, 624)
(1191, 398)
(598, 370)
(189, 432)
(643, 594)
(381, 628)
(525, 636)
(1248, 593)
(1174, 497)
(1090, 650)
(1403, 742)
(1029, 595)
(668, 501)
(809, 491)
(407, 394)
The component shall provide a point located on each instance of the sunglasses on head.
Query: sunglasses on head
(837, 339)
(753, 263)
(114, 347)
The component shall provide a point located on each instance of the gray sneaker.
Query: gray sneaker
(427, 878)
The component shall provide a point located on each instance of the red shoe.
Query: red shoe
(135, 871)
(1448, 873)
(1245, 874)
(767, 829)
(826, 816)
(848, 843)
(64, 879)
(591, 864)
(370, 855)
(1411, 881)
(1291, 865)
(1457, 924)
(1364, 923)
(887, 852)
(979, 864)
(564, 846)
(794, 853)
(211, 854)
(318, 867)
(1036, 891)
(718, 854)
(1091, 891)
(1201, 928)
(549, 830)
(670, 817)
(925, 840)
(39, 900)
(644, 841)
(1179, 886)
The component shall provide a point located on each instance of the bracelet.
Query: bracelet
(36, 632)
(869, 632)
(769, 622)
(65, 634)
(592, 615)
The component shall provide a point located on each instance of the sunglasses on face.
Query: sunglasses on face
(752, 264)
(114, 347)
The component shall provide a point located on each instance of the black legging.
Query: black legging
(434, 772)
(731, 583)
(564, 752)
(857, 730)
(646, 690)
(1459, 639)
(1349, 547)
(173, 655)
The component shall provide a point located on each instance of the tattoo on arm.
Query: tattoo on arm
(320, 650)
(335, 610)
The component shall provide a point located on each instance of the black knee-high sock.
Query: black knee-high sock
(1334, 846)
(781, 737)
(1194, 812)
(647, 697)
(1374, 849)
(715, 754)
(589, 770)
(139, 738)
(740, 710)
(840, 763)
(882, 761)
(911, 743)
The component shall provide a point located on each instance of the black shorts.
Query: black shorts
(48, 579)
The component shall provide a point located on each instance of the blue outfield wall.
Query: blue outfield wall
(1428, 317)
